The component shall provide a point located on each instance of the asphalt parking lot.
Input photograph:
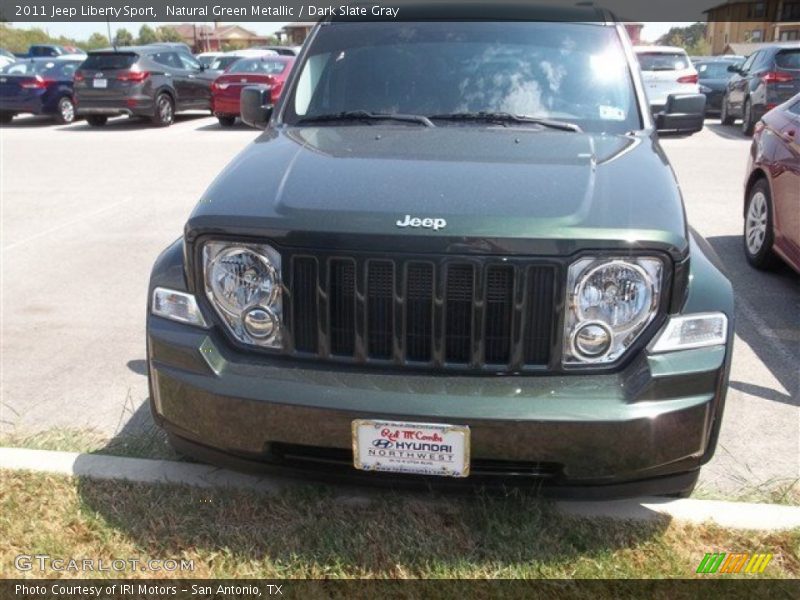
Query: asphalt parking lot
(86, 211)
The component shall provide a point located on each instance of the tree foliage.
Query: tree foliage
(123, 37)
(166, 33)
(147, 35)
(691, 38)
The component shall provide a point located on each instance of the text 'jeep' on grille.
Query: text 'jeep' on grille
(457, 252)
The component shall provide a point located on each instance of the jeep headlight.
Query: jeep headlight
(609, 302)
(243, 283)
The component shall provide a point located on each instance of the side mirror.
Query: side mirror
(255, 107)
(683, 114)
(734, 68)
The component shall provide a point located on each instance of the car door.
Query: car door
(737, 86)
(180, 79)
(786, 184)
(199, 81)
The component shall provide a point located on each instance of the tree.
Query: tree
(123, 37)
(691, 38)
(147, 35)
(166, 33)
(95, 41)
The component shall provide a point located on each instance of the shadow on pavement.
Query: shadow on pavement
(729, 132)
(127, 123)
(30, 121)
(238, 126)
(767, 318)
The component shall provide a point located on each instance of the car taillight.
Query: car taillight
(37, 84)
(79, 76)
(689, 78)
(133, 76)
(222, 85)
(776, 77)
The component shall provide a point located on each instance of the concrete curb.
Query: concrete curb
(734, 515)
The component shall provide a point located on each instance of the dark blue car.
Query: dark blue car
(40, 87)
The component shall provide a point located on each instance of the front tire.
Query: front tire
(65, 112)
(165, 110)
(758, 228)
(747, 118)
(97, 120)
(226, 121)
(725, 117)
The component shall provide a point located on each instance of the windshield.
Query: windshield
(258, 65)
(714, 70)
(109, 61)
(788, 59)
(565, 71)
(48, 69)
(662, 61)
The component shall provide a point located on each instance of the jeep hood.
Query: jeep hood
(499, 189)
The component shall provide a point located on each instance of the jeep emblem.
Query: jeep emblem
(427, 222)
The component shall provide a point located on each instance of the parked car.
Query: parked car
(769, 76)
(222, 62)
(713, 76)
(423, 269)
(772, 192)
(206, 58)
(265, 70)
(147, 81)
(666, 70)
(6, 57)
(44, 51)
(40, 86)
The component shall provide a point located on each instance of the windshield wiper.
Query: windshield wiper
(364, 115)
(504, 118)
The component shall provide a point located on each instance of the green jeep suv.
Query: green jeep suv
(457, 253)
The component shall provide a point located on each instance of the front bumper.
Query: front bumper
(655, 418)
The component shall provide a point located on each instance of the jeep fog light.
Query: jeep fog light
(692, 331)
(243, 283)
(177, 306)
(610, 301)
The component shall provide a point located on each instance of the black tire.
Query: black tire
(65, 111)
(164, 110)
(748, 124)
(724, 117)
(6, 118)
(758, 227)
(226, 121)
(96, 120)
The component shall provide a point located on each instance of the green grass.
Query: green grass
(308, 532)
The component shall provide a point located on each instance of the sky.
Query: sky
(82, 30)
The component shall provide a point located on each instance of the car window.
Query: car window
(57, 69)
(109, 61)
(188, 62)
(662, 61)
(788, 59)
(748, 64)
(206, 60)
(258, 65)
(794, 108)
(19, 68)
(430, 68)
(713, 70)
(223, 62)
(168, 59)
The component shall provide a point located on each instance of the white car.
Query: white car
(225, 60)
(666, 70)
(206, 58)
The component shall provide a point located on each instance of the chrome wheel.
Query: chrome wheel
(756, 225)
(165, 111)
(67, 110)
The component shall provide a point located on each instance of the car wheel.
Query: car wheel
(6, 117)
(724, 117)
(66, 111)
(227, 121)
(758, 232)
(97, 120)
(747, 118)
(165, 110)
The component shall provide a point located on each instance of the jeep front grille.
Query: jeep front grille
(466, 313)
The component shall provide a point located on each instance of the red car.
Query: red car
(772, 194)
(226, 89)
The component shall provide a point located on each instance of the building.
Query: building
(204, 38)
(752, 22)
(634, 32)
(294, 34)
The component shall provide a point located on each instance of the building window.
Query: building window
(790, 36)
(790, 11)
(757, 10)
(754, 36)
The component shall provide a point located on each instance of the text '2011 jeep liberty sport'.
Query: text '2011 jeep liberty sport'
(457, 250)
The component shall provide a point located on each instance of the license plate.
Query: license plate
(100, 83)
(418, 448)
